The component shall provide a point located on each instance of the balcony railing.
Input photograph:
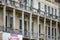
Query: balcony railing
(53, 38)
(15, 31)
(34, 35)
(27, 34)
(41, 35)
(9, 30)
(1, 28)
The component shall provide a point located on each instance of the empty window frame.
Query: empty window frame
(11, 22)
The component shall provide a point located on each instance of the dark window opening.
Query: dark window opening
(32, 27)
(49, 10)
(6, 23)
(20, 24)
(55, 13)
(11, 22)
(48, 30)
(25, 25)
(52, 31)
(39, 7)
(52, 11)
(45, 8)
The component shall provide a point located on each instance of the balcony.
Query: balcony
(22, 7)
(27, 35)
(16, 31)
(54, 17)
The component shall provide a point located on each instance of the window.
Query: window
(48, 30)
(20, 24)
(9, 2)
(31, 2)
(32, 27)
(25, 28)
(6, 23)
(55, 12)
(28, 3)
(55, 32)
(52, 11)
(48, 9)
(11, 22)
(25, 1)
(45, 8)
(52, 31)
(39, 29)
(39, 5)
(20, 1)
(25, 25)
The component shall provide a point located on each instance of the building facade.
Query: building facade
(31, 19)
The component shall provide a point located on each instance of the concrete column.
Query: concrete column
(31, 25)
(14, 15)
(23, 22)
(45, 27)
(38, 26)
(51, 29)
(4, 17)
(54, 34)
(56, 30)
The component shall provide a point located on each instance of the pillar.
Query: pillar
(51, 29)
(56, 30)
(38, 26)
(31, 25)
(14, 15)
(45, 27)
(4, 17)
(23, 22)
